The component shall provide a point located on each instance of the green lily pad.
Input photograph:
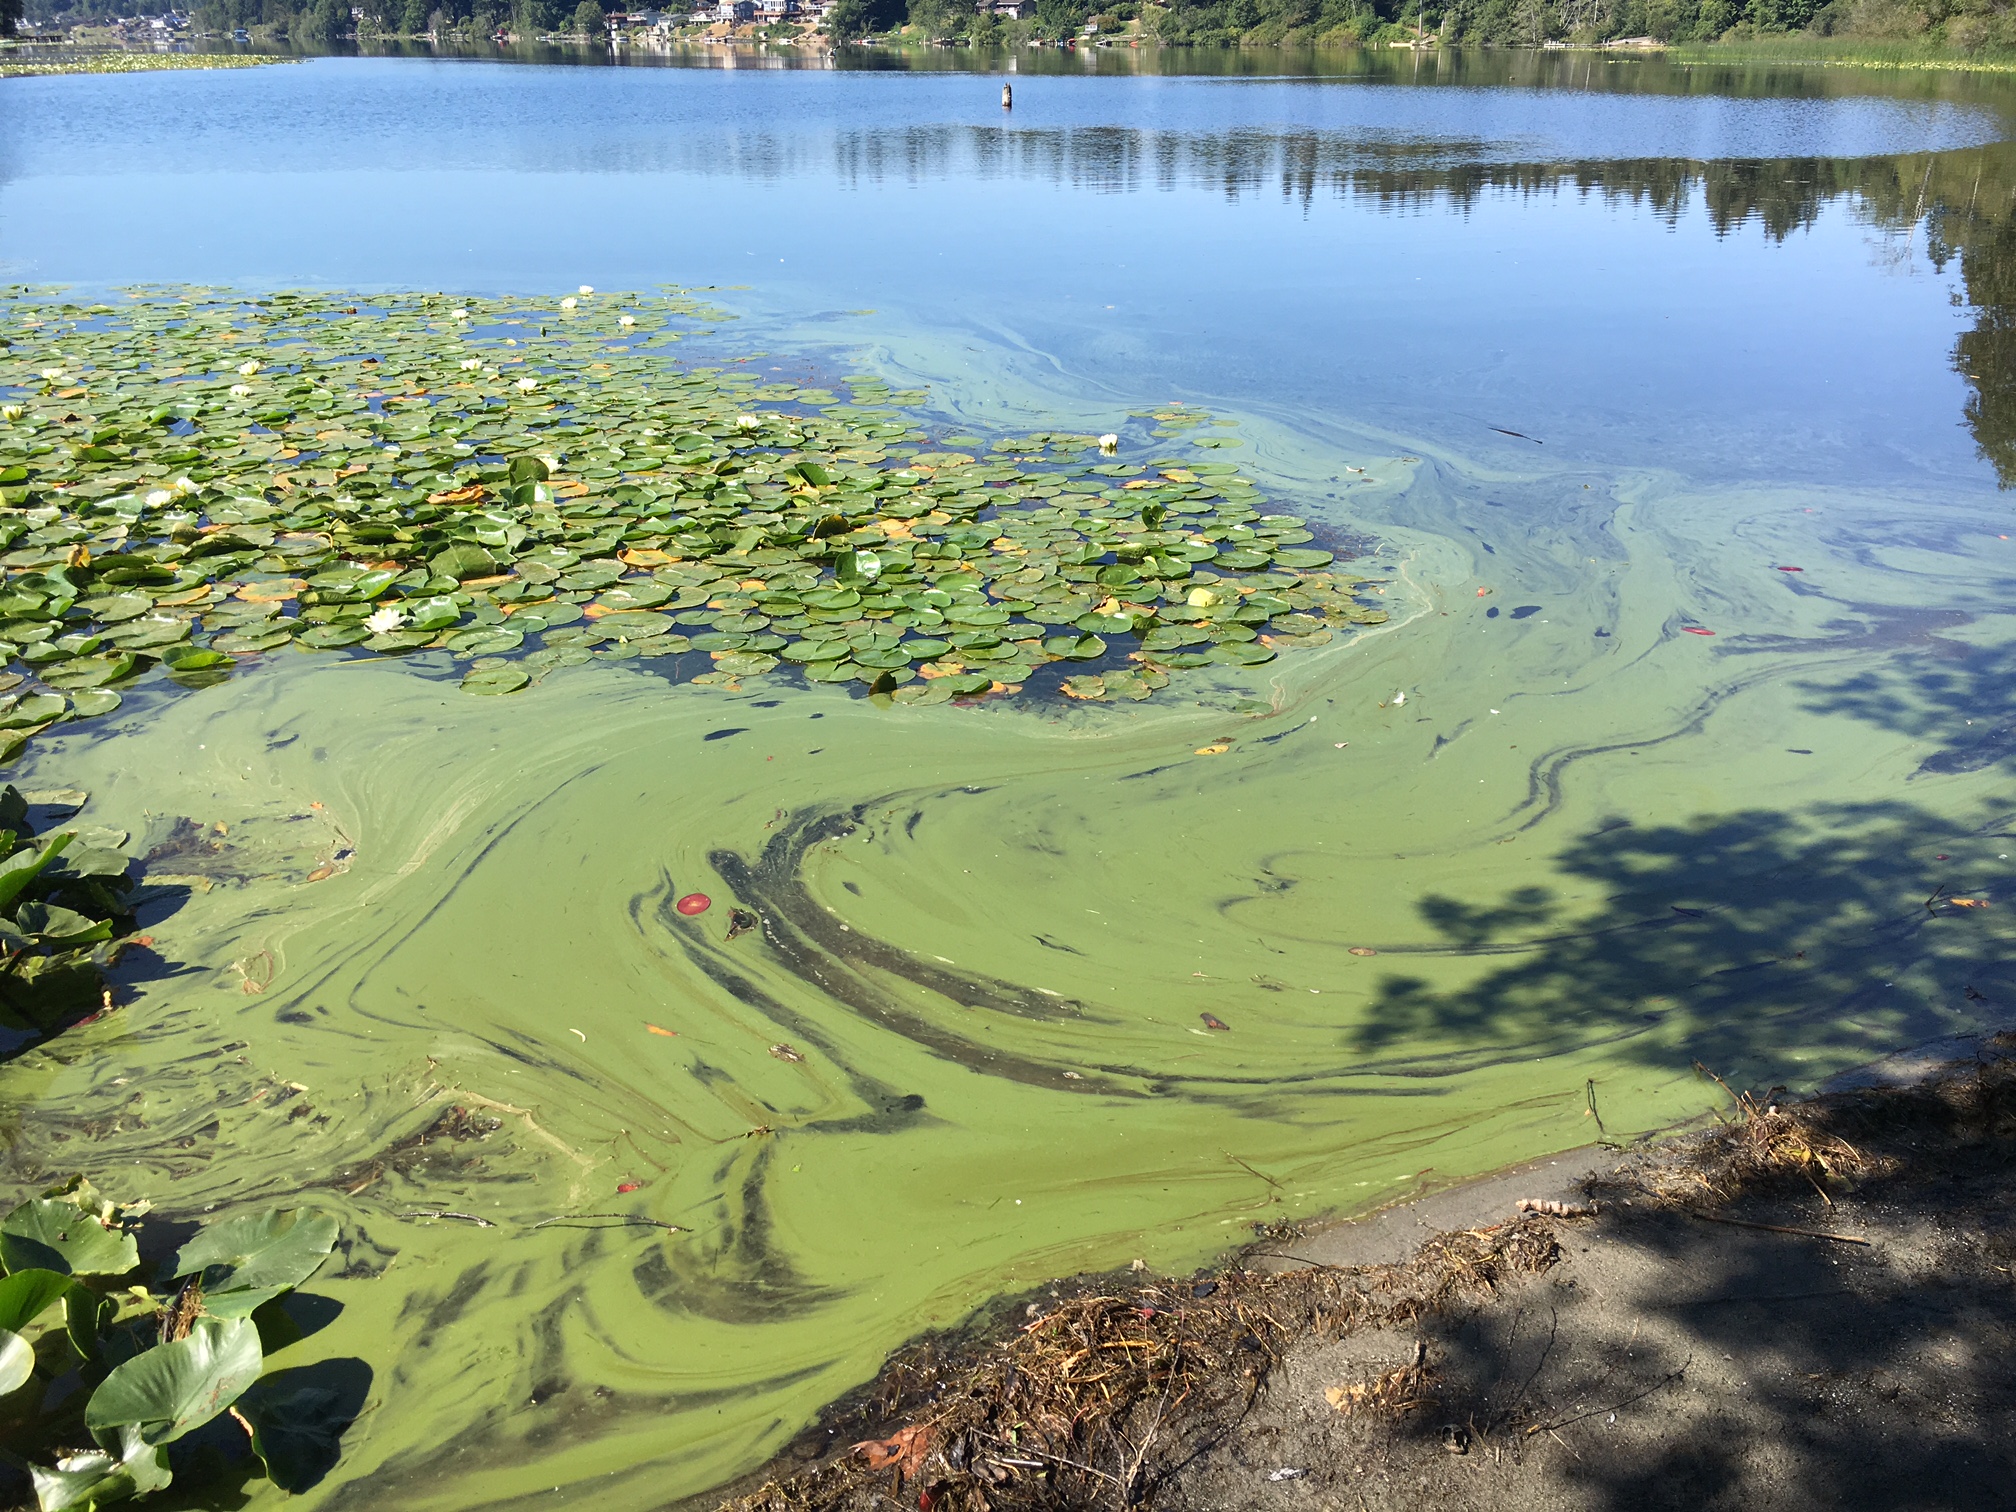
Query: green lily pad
(116, 608)
(330, 637)
(635, 596)
(48, 1233)
(94, 701)
(1075, 647)
(815, 651)
(1241, 653)
(635, 624)
(244, 1261)
(97, 1477)
(485, 640)
(167, 1391)
(462, 561)
(491, 680)
(193, 659)
(1302, 559)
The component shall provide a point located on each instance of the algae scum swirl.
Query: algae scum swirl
(1075, 893)
(197, 484)
(190, 480)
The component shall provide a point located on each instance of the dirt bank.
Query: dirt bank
(1810, 1306)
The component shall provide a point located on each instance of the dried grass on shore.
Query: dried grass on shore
(1083, 1403)
(1100, 1397)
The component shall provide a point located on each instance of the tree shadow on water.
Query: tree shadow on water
(1732, 941)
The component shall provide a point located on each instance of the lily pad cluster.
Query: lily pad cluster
(91, 1355)
(189, 478)
(63, 903)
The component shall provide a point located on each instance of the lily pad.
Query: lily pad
(491, 680)
(166, 1391)
(246, 1260)
(48, 1233)
(773, 521)
(330, 637)
(635, 624)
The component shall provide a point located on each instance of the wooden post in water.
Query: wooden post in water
(1007, 96)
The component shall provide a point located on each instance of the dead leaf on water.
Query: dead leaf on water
(1363, 950)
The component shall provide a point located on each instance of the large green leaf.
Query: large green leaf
(183, 1384)
(21, 868)
(463, 560)
(93, 1479)
(51, 1234)
(17, 1361)
(258, 1254)
(27, 1294)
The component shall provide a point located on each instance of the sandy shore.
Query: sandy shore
(1811, 1305)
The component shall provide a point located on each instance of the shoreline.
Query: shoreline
(1378, 1360)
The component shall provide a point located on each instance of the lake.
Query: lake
(1666, 410)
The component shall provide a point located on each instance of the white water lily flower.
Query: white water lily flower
(458, 314)
(384, 621)
(551, 460)
(1109, 442)
(569, 302)
(526, 385)
(626, 320)
(185, 485)
(470, 364)
(248, 368)
(747, 422)
(52, 374)
(241, 390)
(587, 288)
(159, 497)
(12, 411)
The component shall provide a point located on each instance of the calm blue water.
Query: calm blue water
(1431, 260)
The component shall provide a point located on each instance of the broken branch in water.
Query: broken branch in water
(614, 1220)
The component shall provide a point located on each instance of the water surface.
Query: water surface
(1593, 360)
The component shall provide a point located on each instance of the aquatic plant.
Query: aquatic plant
(62, 905)
(15, 65)
(159, 1363)
(187, 479)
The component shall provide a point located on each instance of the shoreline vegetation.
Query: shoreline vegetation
(1793, 51)
(1740, 1314)
(1965, 35)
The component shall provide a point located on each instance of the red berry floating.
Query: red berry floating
(694, 903)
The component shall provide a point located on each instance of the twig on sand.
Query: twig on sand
(1778, 1228)
(1659, 1385)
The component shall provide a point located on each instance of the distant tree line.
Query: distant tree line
(318, 23)
(1966, 24)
